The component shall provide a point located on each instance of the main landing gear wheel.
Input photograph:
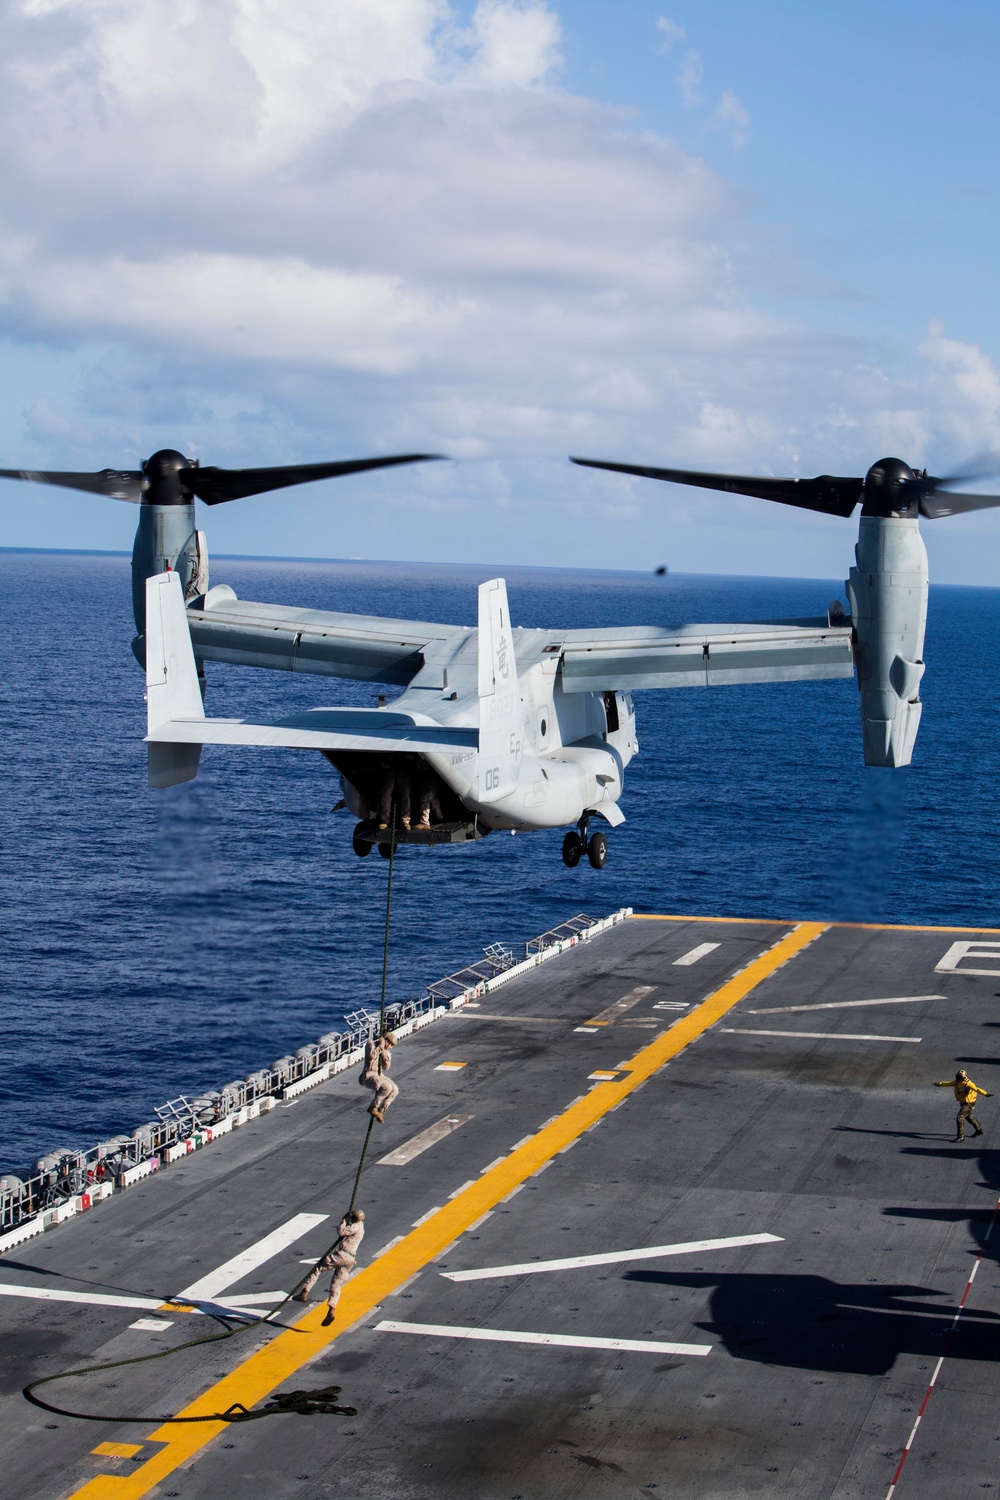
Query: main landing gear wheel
(361, 846)
(572, 850)
(385, 850)
(597, 851)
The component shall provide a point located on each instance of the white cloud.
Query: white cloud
(313, 229)
(732, 112)
(514, 45)
(670, 32)
(689, 80)
(965, 385)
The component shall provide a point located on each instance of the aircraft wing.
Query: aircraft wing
(368, 648)
(637, 657)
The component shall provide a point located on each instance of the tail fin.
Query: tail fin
(500, 720)
(172, 688)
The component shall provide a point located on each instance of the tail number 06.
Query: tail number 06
(492, 778)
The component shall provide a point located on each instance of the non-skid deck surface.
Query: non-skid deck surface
(735, 1231)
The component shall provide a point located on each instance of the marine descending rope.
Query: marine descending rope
(303, 1403)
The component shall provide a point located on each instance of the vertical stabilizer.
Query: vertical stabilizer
(172, 689)
(500, 722)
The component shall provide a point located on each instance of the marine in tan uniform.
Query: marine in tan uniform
(966, 1092)
(375, 1074)
(341, 1260)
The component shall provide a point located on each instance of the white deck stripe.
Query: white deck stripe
(787, 1010)
(611, 1014)
(96, 1299)
(614, 1257)
(821, 1036)
(225, 1276)
(489, 1015)
(700, 952)
(562, 1340)
(422, 1142)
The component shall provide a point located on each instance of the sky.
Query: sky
(751, 238)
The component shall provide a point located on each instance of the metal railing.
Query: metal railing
(63, 1175)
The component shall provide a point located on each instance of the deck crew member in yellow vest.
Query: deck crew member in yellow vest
(966, 1092)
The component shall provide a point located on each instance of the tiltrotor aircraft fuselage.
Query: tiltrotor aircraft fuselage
(499, 727)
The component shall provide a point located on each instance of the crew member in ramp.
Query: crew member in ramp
(341, 1260)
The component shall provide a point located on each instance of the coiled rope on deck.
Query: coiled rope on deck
(301, 1403)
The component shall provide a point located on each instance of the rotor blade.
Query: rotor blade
(829, 493)
(215, 486)
(940, 503)
(117, 484)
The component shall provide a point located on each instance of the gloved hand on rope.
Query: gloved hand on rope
(341, 1259)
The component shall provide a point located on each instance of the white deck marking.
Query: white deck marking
(395, 1241)
(227, 1275)
(611, 1014)
(96, 1299)
(702, 950)
(673, 1005)
(952, 961)
(561, 1340)
(788, 1010)
(147, 1304)
(422, 1142)
(489, 1015)
(614, 1257)
(151, 1325)
(587, 1030)
(257, 1299)
(820, 1036)
(424, 1217)
(449, 1067)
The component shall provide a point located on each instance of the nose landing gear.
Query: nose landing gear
(576, 844)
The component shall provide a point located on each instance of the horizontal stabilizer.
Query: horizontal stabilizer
(374, 730)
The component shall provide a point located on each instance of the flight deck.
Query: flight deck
(679, 1212)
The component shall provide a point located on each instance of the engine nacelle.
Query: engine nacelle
(166, 537)
(888, 597)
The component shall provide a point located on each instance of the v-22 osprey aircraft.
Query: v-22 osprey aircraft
(499, 727)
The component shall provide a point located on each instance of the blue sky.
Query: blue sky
(752, 238)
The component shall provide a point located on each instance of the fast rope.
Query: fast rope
(381, 1011)
(301, 1403)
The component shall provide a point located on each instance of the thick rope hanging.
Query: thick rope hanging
(385, 972)
(302, 1403)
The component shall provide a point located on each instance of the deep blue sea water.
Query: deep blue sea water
(163, 943)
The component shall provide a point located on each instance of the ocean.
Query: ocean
(158, 944)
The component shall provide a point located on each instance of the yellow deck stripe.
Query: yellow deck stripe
(267, 1368)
